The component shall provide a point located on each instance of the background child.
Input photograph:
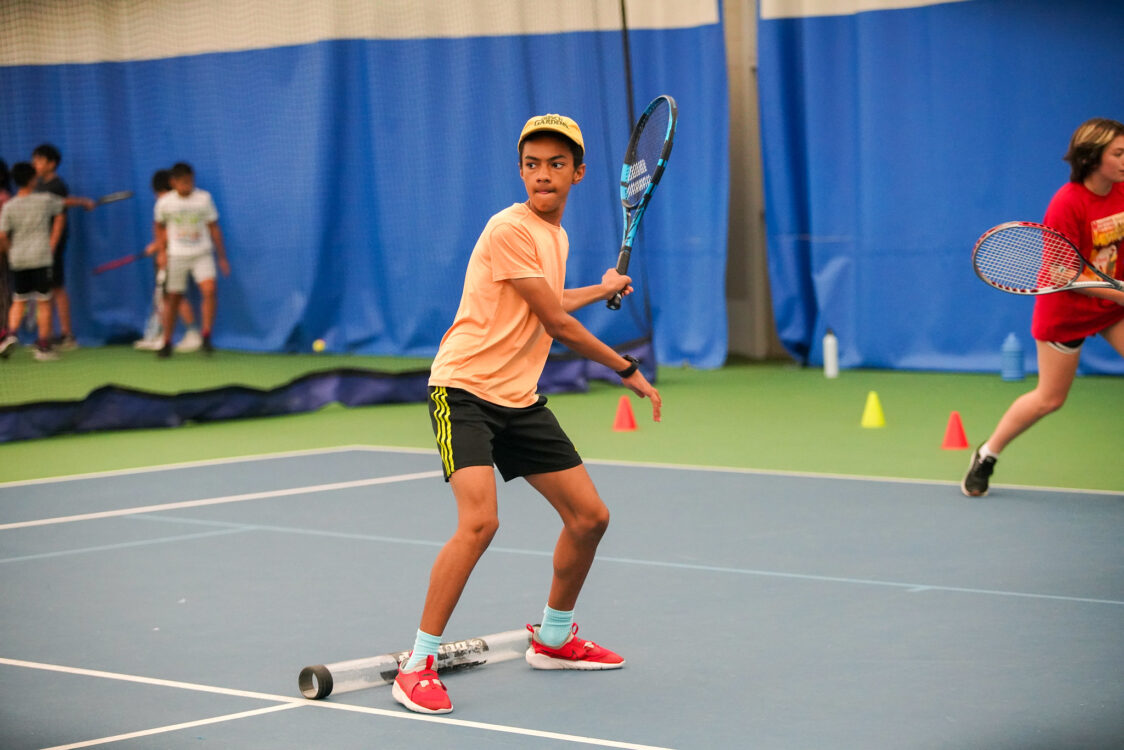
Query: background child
(187, 230)
(5, 282)
(31, 225)
(154, 328)
(46, 159)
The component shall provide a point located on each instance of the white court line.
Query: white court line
(121, 545)
(435, 473)
(177, 727)
(492, 727)
(591, 461)
(212, 462)
(221, 500)
(292, 702)
(826, 475)
(910, 587)
(232, 692)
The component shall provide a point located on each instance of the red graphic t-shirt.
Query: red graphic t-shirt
(1095, 223)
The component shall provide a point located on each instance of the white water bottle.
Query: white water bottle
(830, 355)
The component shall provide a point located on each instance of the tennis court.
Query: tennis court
(180, 536)
(174, 605)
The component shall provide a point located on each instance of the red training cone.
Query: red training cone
(954, 437)
(625, 421)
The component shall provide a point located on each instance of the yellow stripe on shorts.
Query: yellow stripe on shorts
(444, 428)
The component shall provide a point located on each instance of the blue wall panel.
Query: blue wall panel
(352, 178)
(893, 139)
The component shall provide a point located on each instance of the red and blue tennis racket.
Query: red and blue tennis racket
(124, 260)
(644, 162)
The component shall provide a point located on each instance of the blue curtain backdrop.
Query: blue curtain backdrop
(893, 139)
(353, 177)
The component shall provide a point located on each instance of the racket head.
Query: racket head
(117, 263)
(648, 150)
(120, 195)
(1023, 257)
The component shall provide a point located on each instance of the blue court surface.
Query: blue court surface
(174, 607)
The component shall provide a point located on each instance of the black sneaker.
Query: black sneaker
(165, 351)
(208, 347)
(979, 472)
(44, 353)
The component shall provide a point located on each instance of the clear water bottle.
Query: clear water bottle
(830, 355)
(1011, 367)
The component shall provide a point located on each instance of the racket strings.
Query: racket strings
(647, 152)
(1027, 259)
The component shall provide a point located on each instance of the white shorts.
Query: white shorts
(200, 267)
(1066, 347)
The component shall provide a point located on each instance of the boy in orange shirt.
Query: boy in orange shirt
(485, 410)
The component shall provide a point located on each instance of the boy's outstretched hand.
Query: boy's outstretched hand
(638, 384)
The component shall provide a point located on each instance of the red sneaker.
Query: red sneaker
(574, 653)
(422, 690)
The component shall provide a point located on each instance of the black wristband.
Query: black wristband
(633, 367)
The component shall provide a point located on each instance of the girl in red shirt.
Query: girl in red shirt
(1089, 210)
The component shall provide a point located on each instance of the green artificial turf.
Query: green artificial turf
(765, 416)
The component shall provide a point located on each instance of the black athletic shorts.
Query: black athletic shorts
(518, 441)
(58, 266)
(31, 283)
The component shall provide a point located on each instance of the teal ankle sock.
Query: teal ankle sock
(555, 628)
(424, 645)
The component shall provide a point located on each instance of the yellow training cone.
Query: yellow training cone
(872, 414)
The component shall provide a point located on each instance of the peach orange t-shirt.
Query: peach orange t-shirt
(496, 347)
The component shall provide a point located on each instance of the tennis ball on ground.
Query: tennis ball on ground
(318, 345)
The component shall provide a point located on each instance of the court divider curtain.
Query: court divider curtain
(355, 150)
(895, 132)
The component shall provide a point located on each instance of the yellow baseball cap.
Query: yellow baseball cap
(556, 124)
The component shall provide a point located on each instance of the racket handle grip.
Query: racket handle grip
(614, 302)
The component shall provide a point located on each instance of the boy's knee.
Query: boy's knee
(481, 531)
(592, 525)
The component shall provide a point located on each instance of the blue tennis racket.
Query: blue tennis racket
(644, 162)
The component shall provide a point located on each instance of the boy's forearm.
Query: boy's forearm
(217, 241)
(564, 327)
(76, 200)
(575, 299)
(611, 282)
(56, 231)
(578, 338)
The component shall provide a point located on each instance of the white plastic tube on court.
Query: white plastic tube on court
(345, 676)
